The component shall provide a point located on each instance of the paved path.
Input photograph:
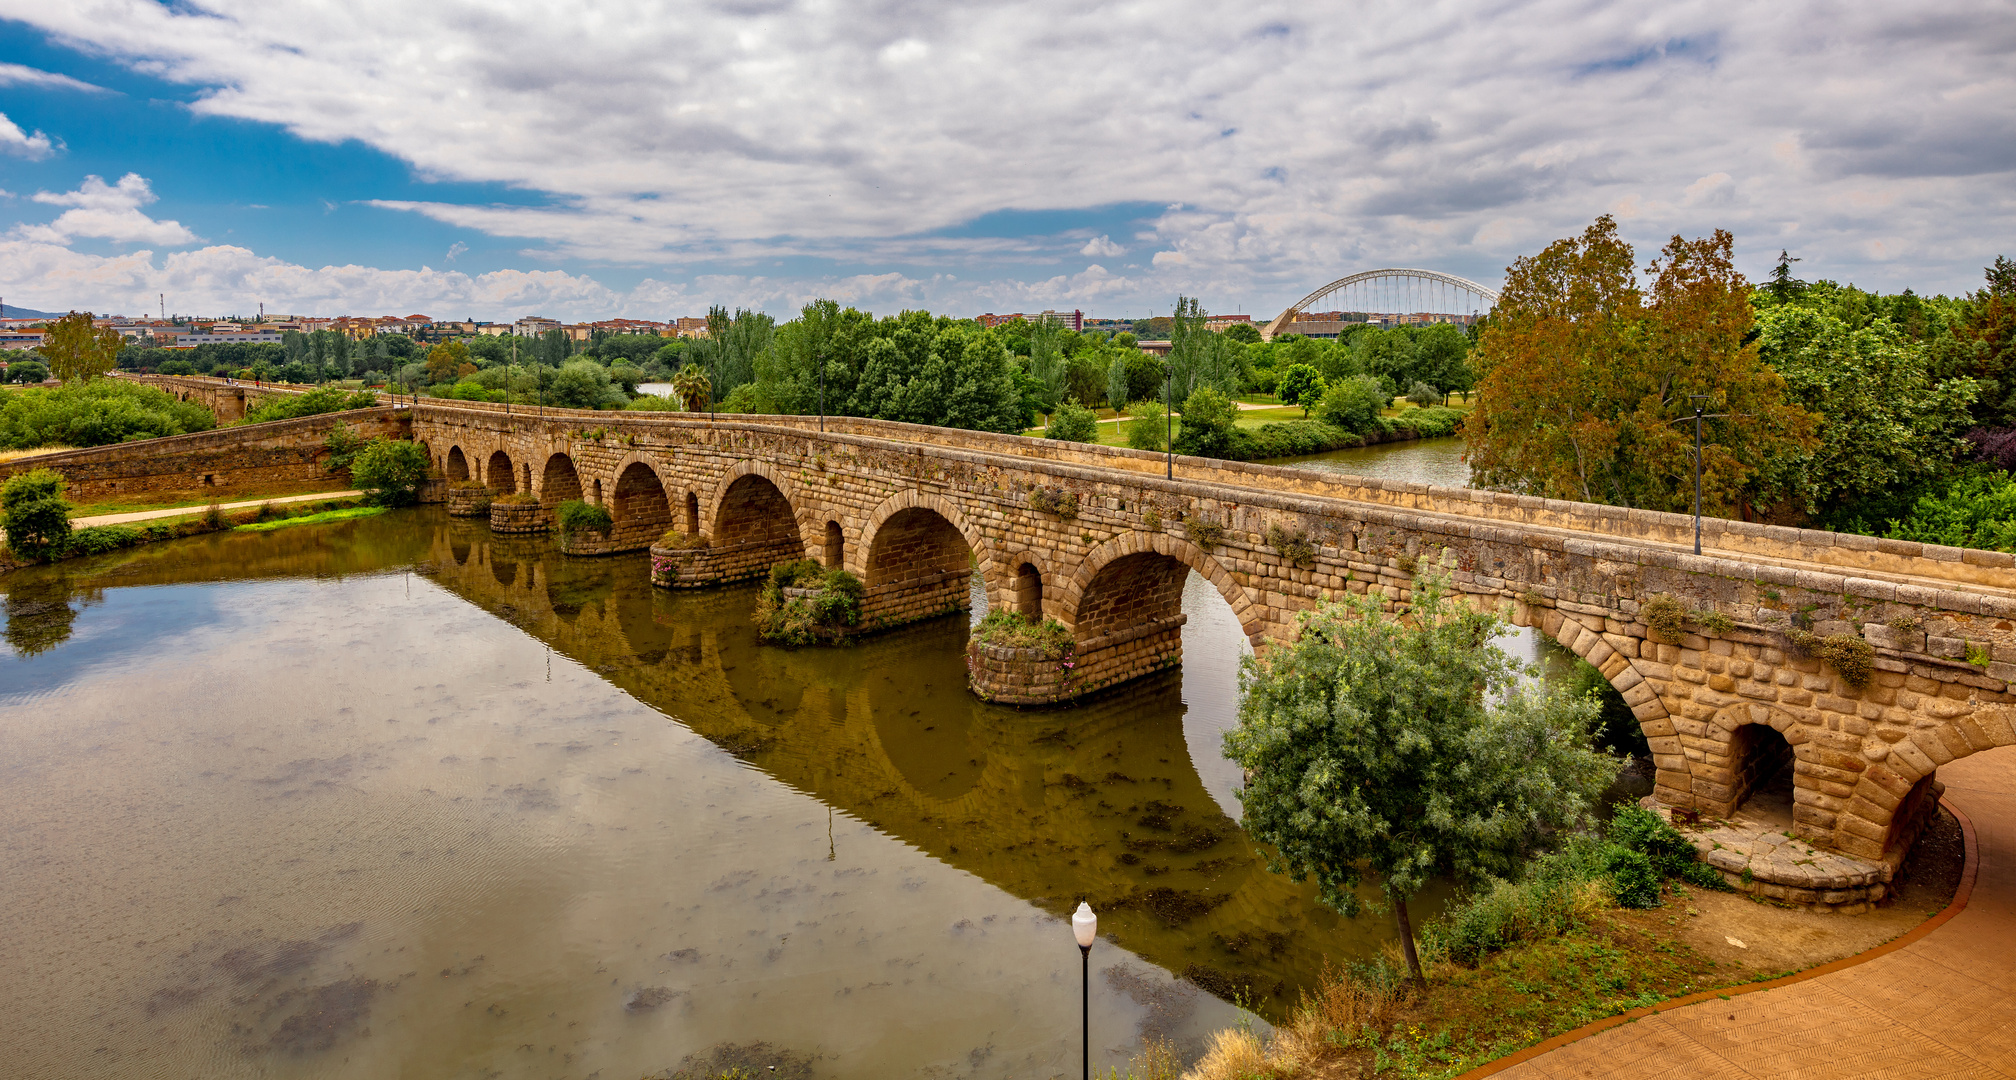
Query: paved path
(185, 511)
(1942, 1006)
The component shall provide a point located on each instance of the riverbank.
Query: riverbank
(1366, 1022)
(113, 532)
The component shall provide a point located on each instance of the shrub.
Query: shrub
(1147, 426)
(1633, 882)
(1354, 404)
(1064, 504)
(1008, 630)
(1849, 655)
(1205, 534)
(1294, 547)
(96, 413)
(324, 399)
(825, 615)
(1073, 423)
(1208, 418)
(1429, 423)
(1665, 615)
(1301, 385)
(37, 519)
(1978, 510)
(390, 471)
(681, 540)
(1715, 622)
(574, 516)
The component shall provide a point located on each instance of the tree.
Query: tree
(1409, 748)
(1301, 385)
(1046, 358)
(27, 371)
(692, 389)
(1784, 287)
(1587, 392)
(1208, 418)
(583, 384)
(1073, 423)
(77, 350)
(1147, 425)
(390, 471)
(444, 362)
(1245, 333)
(34, 514)
(1199, 357)
(1354, 404)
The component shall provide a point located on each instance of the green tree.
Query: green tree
(1300, 384)
(390, 471)
(1198, 357)
(1208, 419)
(1354, 404)
(27, 371)
(584, 384)
(325, 399)
(445, 361)
(1245, 333)
(692, 389)
(1073, 423)
(76, 350)
(1407, 748)
(34, 514)
(95, 413)
(1147, 425)
(1885, 423)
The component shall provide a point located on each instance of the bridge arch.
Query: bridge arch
(559, 480)
(457, 465)
(916, 557)
(1155, 557)
(752, 521)
(1430, 281)
(639, 506)
(499, 474)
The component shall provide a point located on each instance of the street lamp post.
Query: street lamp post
(1169, 424)
(822, 395)
(1697, 399)
(1085, 927)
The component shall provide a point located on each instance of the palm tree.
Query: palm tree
(693, 388)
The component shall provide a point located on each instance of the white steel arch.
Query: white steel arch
(1425, 277)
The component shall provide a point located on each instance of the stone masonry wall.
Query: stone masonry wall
(1941, 623)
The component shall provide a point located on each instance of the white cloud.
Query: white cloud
(1102, 247)
(107, 212)
(17, 75)
(21, 144)
(1293, 142)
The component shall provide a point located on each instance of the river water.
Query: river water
(403, 797)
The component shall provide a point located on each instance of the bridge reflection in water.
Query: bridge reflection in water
(1100, 801)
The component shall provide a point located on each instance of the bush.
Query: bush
(1354, 404)
(37, 519)
(825, 615)
(575, 515)
(26, 371)
(325, 399)
(680, 539)
(1429, 423)
(1073, 423)
(177, 367)
(390, 471)
(1208, 417)
(96, 413)
(97, 539)
(1147, 425)
(1423, 394)
(1633, 881)
(1008, 630)
(1977, 510)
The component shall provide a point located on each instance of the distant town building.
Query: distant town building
(1070, 320)
(20, 339)
(534, 325)
(261, 337)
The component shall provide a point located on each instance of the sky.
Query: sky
(591, 159)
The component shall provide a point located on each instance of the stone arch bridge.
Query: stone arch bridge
(1101, 540)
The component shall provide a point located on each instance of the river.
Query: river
(403, 797)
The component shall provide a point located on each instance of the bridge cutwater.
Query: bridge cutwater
(1096, 538)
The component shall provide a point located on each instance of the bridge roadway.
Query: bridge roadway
(1101, 540)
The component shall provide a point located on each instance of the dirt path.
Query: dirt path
(185, 511)
(1940, 1006)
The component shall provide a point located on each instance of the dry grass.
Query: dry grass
(16, 455)
(1235, 1054)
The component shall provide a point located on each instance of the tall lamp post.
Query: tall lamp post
(1697, 399)
(1168, 425)
(1085, 927)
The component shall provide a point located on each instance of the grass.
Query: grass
(324, 517)
(16, 455)
(175, 500)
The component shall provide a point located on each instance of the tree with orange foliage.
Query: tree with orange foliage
(77, 350)
(1587, 390)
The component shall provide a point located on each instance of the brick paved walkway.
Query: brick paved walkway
(1942, 1006)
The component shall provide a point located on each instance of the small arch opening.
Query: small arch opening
(598, 492)
(1029, 592)
(500, 475)
(562, 482)
(1760, 764)
(836, 546)
(692, 514)
(458, 466)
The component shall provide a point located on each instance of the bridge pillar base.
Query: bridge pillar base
(1021, 676)
(516, 517)
(699, 567)
(469, 501)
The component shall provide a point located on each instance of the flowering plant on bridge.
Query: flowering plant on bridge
(1409, 748)
(803, 603)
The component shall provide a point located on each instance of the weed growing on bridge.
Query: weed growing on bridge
(1064, 504)
(1151, 519)
(576, 516)
(1008, 630)
(1715, 622)
(1666, 616)
(1849, 655)
(1205, 534)
(803, 603)
(680, 540)
(1294, 547)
